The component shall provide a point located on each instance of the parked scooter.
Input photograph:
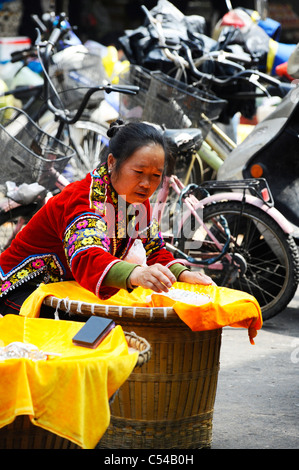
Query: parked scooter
(271, 151)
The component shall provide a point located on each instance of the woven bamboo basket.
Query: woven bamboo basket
(169, 401)
(22, 434)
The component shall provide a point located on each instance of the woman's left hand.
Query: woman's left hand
(195, 277)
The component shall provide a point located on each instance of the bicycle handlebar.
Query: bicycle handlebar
(62, 114)
(222, 82)
(42, 28)
(126, 89)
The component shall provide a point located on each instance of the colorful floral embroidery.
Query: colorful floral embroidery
(154, 240)
(5, 286)
(84, 232)
(38, 263)
(91, 230)
(47, 264)
(98, 193)
(82, 224)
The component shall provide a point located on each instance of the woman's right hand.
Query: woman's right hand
(156, 277)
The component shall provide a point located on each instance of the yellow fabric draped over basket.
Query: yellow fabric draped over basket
(67, 394)
(168, 403)
(227, 307)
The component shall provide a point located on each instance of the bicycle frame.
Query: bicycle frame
(193, 206)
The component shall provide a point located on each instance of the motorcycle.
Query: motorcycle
(232, 67)
(260, 35)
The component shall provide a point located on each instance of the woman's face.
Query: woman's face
(140, 175)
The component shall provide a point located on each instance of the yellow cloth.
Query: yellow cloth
(67, 395)
(228, 307)
(273, 46)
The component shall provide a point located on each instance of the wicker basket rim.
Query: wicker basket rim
(136, 342)
(141, 345)
(78, 306)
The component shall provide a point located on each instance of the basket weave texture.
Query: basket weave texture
(166, 101)
(74, 70)
(31, 155)
(168, 402)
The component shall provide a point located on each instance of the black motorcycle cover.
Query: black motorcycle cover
(141, 45)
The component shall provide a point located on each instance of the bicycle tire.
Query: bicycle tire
(89, 140)
(271, 269)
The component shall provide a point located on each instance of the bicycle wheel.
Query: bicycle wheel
(90, 140)
(263, 260)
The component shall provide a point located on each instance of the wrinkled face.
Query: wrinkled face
(140, 175)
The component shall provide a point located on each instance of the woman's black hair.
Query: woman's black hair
(125, 139)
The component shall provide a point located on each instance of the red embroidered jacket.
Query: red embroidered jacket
(80, 234)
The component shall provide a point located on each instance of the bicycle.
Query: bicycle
(179, 54)
(72, 69)
(235, 235)
(15, 124)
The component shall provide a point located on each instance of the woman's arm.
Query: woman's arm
(156, 277)
(159, 278)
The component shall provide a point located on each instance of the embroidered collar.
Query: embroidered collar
(101, 190)
(101, 193)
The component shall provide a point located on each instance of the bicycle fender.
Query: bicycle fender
(271, 211)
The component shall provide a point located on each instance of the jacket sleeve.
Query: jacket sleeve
(86, 246)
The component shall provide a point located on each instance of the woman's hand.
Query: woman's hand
(195, 277)
(155, 277)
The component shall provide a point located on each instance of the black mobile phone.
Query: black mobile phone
(93, 332)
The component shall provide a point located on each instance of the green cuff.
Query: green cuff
(177, 269)
(118, 275)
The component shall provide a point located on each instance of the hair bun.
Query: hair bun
(114, 127)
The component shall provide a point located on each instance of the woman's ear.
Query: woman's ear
(110, 162)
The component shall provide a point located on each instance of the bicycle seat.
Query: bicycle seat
(184, 139)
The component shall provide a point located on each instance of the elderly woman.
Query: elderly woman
(88, 232)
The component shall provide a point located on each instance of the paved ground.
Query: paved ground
(257, 402)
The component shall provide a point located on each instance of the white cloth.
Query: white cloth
(136, 253)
